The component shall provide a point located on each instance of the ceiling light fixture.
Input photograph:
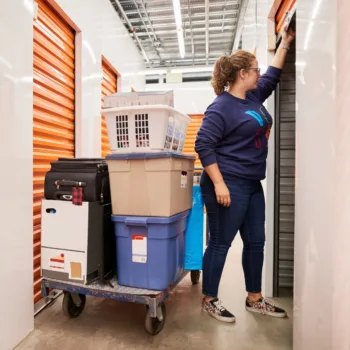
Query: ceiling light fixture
(208, 69)
(179, 30)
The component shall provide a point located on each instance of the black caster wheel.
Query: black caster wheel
(195, 275)
(70, 308)
(154, 325)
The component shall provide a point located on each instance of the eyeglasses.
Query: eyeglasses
(256, 69)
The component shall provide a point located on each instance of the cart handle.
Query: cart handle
(146, 107)
(70, 183)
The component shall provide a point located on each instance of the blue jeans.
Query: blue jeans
(245, 214)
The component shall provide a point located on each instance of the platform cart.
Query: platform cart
(75, 297)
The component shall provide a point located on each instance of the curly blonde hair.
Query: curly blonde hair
(226, 69)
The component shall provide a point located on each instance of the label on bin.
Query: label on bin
(139, 248)
(183, 179)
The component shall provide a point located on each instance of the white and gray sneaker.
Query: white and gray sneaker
(265, 307)
(215, 309)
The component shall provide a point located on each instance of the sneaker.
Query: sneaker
(265, 307)
(215, 309)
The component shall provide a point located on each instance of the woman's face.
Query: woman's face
(252, 76)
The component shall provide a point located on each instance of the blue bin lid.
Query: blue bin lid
(156, 155)
(144, 220)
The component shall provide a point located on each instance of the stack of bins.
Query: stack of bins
(151, 200)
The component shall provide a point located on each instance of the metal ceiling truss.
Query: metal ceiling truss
(209, 28)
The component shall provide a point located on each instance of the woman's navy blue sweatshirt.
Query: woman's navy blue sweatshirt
(235, 132)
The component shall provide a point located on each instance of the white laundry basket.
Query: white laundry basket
(146, 128)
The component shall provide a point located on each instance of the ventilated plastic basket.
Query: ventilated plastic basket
(146, 128)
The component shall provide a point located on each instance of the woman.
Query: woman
(232, 146)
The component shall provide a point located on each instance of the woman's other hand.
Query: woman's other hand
(222, 194)
(288, 35)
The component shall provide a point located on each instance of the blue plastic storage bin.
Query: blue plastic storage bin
(194, 232)
(150, 250)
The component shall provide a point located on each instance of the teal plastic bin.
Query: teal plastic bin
(194, 232)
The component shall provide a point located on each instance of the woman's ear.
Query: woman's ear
(242, 74)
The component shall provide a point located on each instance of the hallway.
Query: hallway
(106, 324)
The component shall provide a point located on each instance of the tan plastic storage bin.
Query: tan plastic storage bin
(151, 184)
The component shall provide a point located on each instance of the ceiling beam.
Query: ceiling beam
(207, 29)
(199, 6)
(223, 17)
(185, 61)
(143, 22)
(145, 26)
(238, 30)
(185, 14)
(166, 35)
(131, 28)
(195, 28)
(149, 20)
(190, 20)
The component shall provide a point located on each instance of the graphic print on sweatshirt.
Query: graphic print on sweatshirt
(264, 129)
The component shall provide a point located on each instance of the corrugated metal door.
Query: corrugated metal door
(285, 176)
(109, 86)
(54, 112)
(191, 135)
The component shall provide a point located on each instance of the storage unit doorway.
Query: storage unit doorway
(109, 87)
(53, 109)
(191, 135)
(285, 165)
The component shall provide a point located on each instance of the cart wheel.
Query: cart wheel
(69, 307)
(153, 325)
(195, 275)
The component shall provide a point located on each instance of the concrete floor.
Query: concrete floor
(109, 325)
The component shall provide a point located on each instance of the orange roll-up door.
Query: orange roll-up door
(54, 112)
(286, 5)
(191, 135)
(109, 87)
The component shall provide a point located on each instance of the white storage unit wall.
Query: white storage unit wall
(285, 176)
